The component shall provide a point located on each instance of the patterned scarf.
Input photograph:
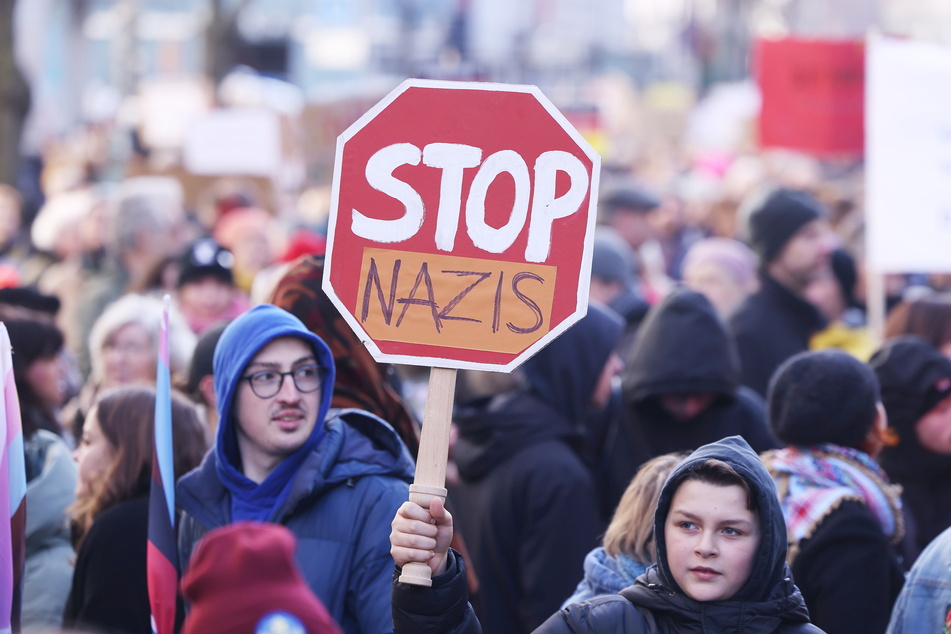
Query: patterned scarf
(814, 481)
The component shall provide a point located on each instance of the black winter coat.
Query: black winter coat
(857, 593)
(527, 508)
(109, 592)
(770, 326)
(439, 609)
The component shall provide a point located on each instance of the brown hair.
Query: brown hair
(927, 317)
(126, 416)
(631, 531)
(718, 473)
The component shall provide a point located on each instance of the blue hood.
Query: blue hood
(239, 343)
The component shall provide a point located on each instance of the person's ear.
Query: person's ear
(206, 386)
(880, 435)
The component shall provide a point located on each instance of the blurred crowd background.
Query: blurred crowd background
(198, 109)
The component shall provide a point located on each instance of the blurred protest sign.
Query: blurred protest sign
(812, 95)
(234, 141)
(908, 158)
(167, 107)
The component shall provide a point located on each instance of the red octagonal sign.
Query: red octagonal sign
(461, 225)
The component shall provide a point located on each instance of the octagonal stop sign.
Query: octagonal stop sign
(461, 230)
(461, 225)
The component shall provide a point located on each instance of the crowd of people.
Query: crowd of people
(719, 444)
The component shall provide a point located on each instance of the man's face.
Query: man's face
(712, 539)
(270, 429)
(806, 256)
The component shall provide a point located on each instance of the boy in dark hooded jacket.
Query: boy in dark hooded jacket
(721, 558)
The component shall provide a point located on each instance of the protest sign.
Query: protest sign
(460, 236)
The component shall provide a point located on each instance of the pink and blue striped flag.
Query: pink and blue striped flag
(162, 549)
(12, 494)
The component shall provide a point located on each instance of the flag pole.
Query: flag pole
(162, 559)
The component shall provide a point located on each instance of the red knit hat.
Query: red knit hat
(243, 579)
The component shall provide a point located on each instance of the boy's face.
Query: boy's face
(712, 539)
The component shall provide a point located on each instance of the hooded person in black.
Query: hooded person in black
(680, 389)
(767, 601)
(526, 502)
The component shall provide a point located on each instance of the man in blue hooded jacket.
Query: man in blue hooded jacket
(334, 477)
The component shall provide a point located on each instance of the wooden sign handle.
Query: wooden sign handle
(430, 481)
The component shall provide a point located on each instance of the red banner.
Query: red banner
(813, 95)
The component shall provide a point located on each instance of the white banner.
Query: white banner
(908, 156)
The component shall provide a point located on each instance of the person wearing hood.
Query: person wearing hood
(720, 542)
(720, 548)
(282, 455)
(915, 380)
(526, 502)
(680, 389)
(843, 516)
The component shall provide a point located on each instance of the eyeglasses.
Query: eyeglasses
(267, 383)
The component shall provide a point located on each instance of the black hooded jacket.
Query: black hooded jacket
(768, 602)
(683, 347)
(526, 502)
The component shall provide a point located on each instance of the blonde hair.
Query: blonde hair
(631, 531)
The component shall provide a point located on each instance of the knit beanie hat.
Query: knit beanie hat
(775, 219)
(204, 258)
(914, 377)
(243, 579)
(826, 396)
